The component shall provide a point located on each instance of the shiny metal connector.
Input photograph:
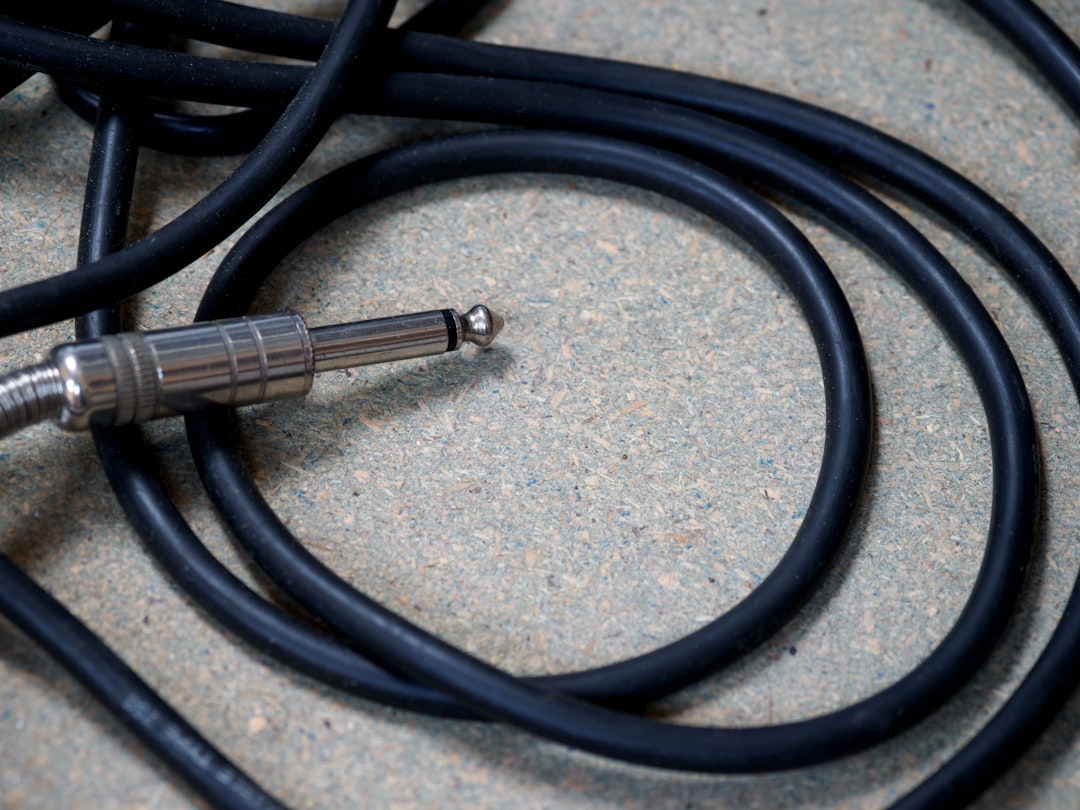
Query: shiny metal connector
(137, 376)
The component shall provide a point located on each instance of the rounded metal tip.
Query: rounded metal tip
(481, 325)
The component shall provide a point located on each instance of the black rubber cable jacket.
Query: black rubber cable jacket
(1014, 245)
(913, 171)
(244, 27)
(1015, 569)
(68, 641)
(150, 71)
(841, 141)
(110, 184)
(262, 30)
(1040, 39)
(54, 628)
(854, 145)
(1005, 743)
(327, 198)
(151, 511)
(445, 16)
(232, 25)
(1054, 677)
(859, 148)
(271, 630)
(393, 640)
(180, 133)
(217, 215)
(80, 21)
(656, 678)
(662, 671)
(128, 463)
(267, 32)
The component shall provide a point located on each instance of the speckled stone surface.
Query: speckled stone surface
(630, 460)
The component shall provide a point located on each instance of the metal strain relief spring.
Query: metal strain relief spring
(29, 395)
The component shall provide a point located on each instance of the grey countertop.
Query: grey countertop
(627, 463)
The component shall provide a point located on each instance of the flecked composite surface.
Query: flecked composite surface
(629, 460)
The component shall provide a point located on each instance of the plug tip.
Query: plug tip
(481, 325)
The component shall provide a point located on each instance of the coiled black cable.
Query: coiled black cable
(847, 446)
(105, 214)
(625, 117)
(295, 133)
(410, 650)
(123, 693)
(848, 144)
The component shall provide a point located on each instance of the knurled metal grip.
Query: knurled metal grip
(133, 377)
(137, 376)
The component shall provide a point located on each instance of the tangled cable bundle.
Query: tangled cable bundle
(712, 146)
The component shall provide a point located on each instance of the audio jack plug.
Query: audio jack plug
(134, 377)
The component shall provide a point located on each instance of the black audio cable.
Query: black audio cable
(110, 180)
(752, 617)
(295, 133)
(672, 111)
(410, 650)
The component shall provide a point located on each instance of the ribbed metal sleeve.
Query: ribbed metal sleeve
(29, 395)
